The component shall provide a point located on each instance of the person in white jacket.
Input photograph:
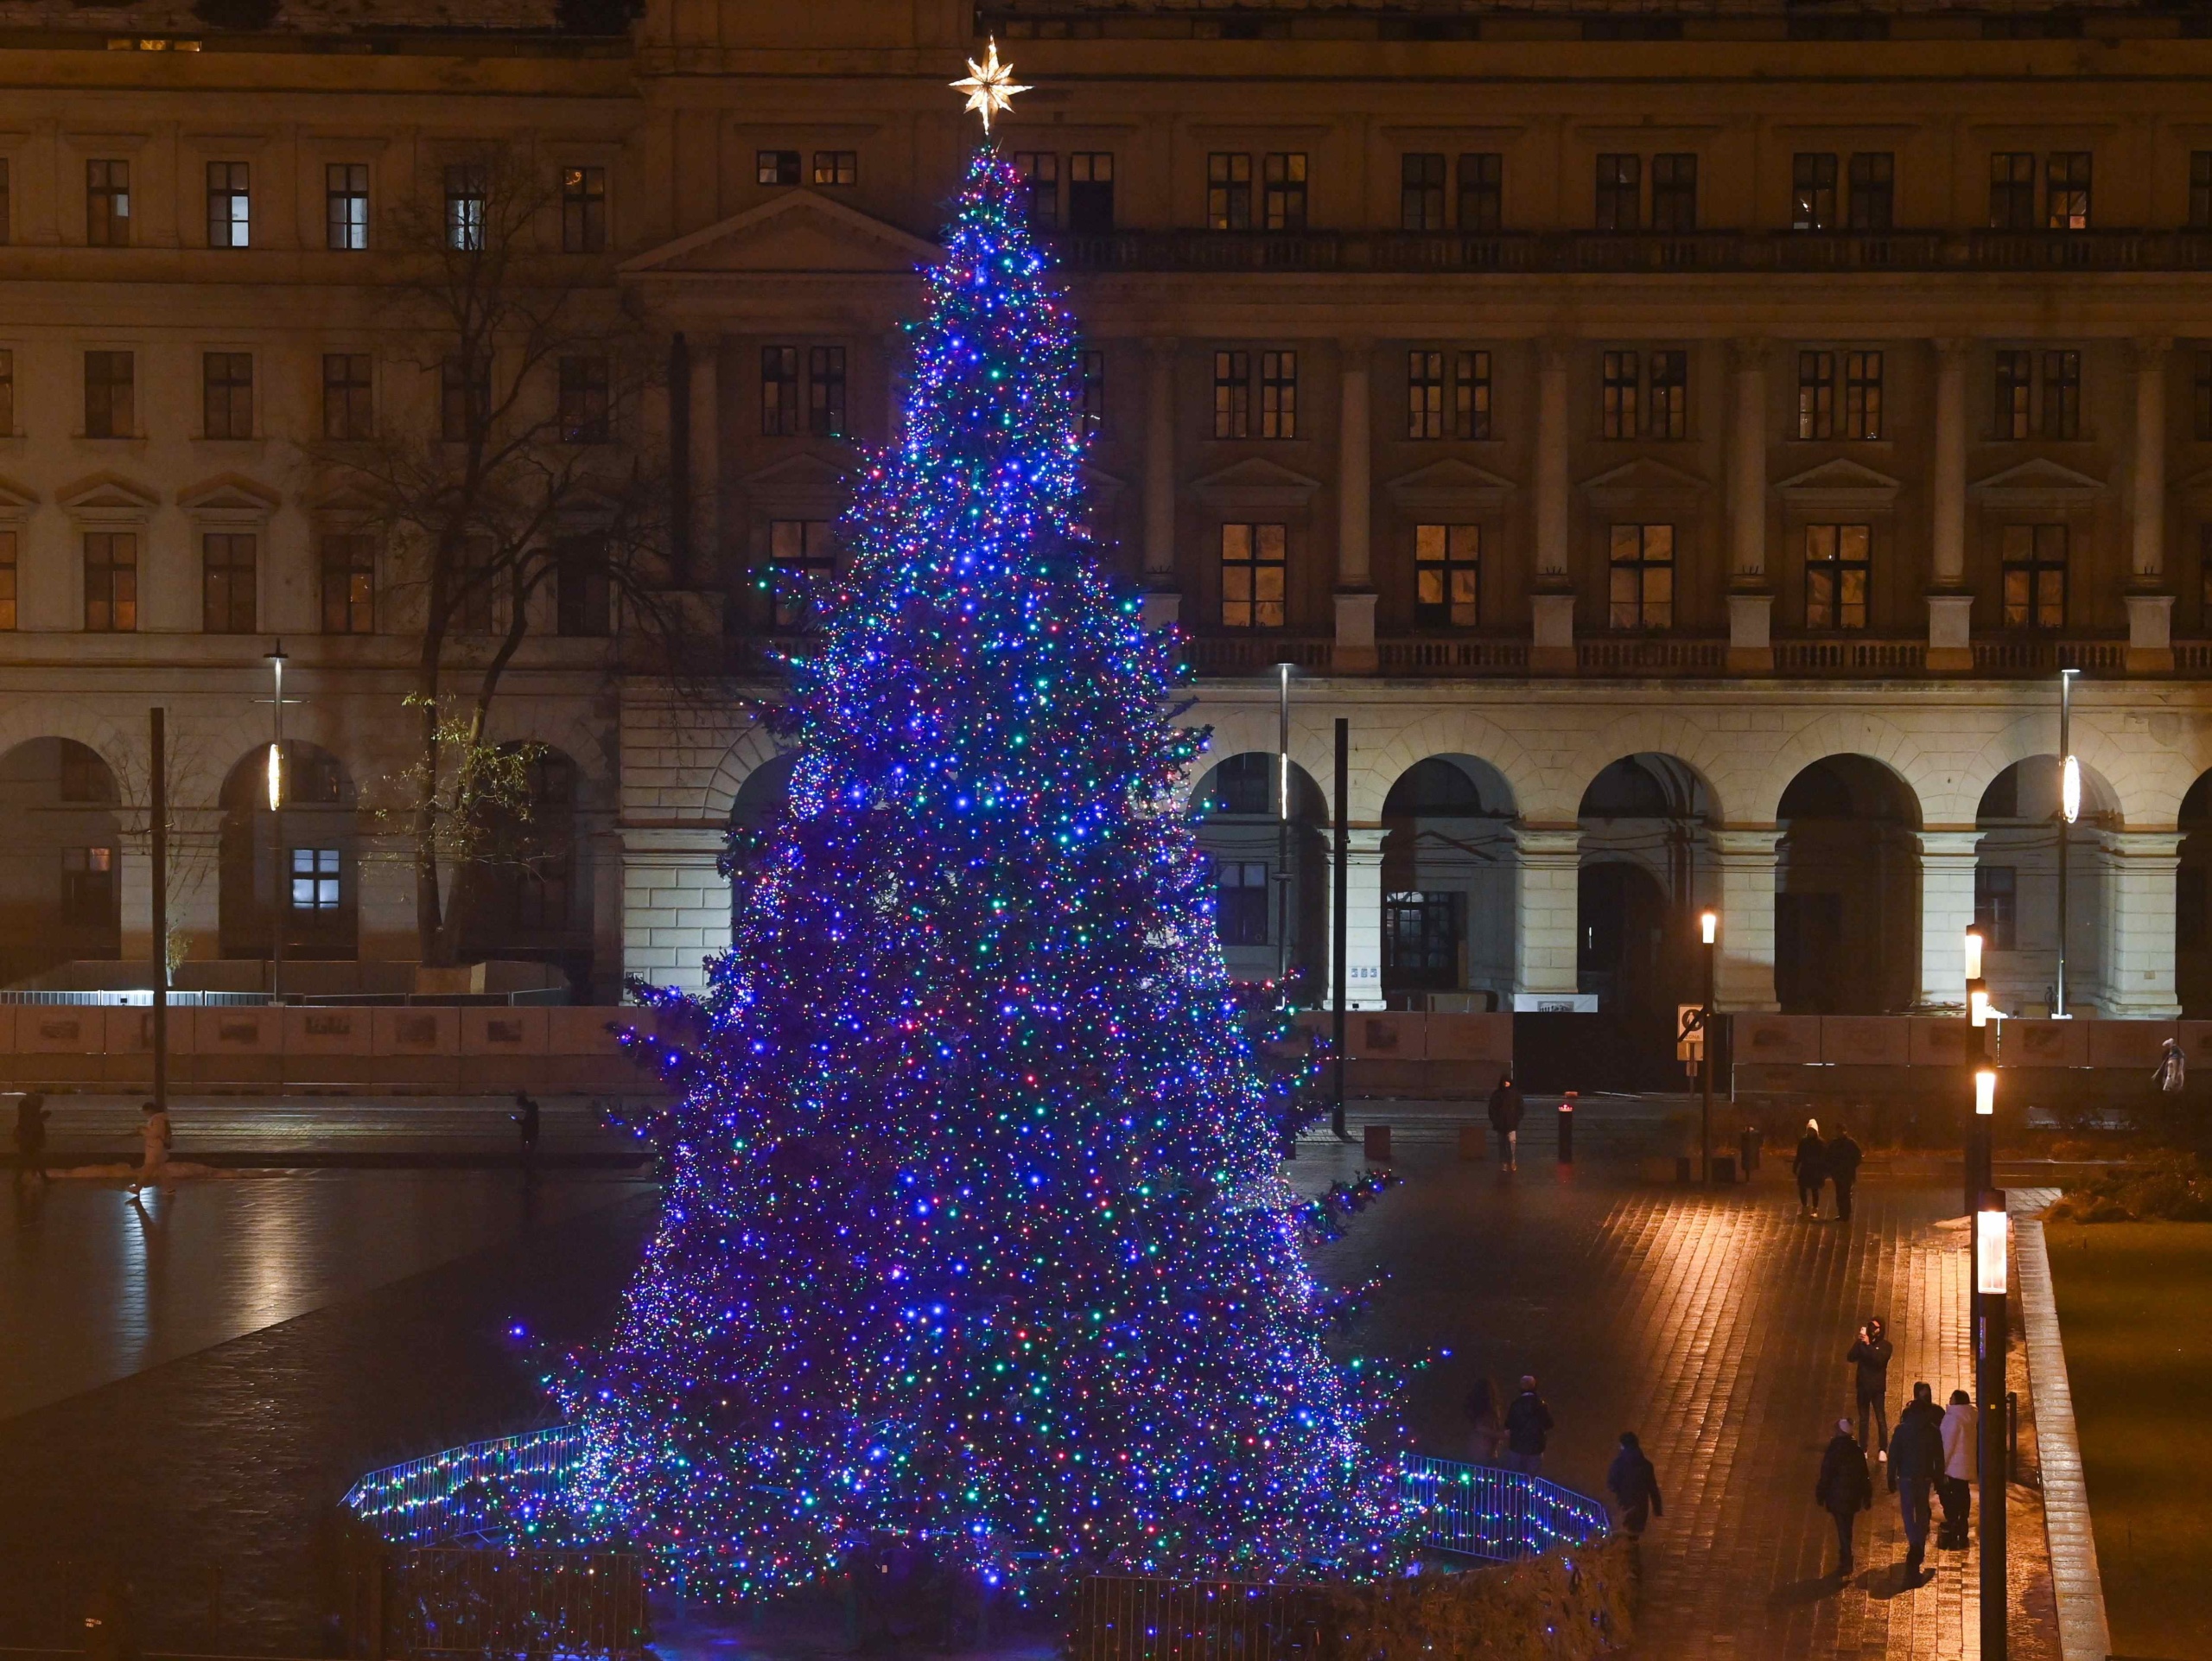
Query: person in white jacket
(1955, 1486)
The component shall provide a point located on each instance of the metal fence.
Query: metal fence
(1479, 1510)
(1139, 1618)
(438, 1600)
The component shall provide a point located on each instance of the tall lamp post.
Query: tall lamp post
(1992, 1239)
(1977, 1148)
(1709, 932)
(2070, 809)
(1282, 821)
(277, 858)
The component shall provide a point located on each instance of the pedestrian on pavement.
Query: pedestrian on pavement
(1812, 1168)
(1506, 1108)
(1842, 1161)
(1844, 1489)
(1871, 1356)
(1486, 1425)
(1956, 1487)
(1635, 1487)
(526, 1120)
(154, 1141)
(2173, 1067)
(31, 1116)
(1527, 1425)
(1916, 1461)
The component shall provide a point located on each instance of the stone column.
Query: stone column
(2149, 610)
(1750, 601)
(1362, 918)
(2140, 963)
(1551, 598)
(675, 904)
(706, 460)
(1546, 925)
(1162, 604)
(1743, 864)
(1354, 643)
(1950, 606)
(1947, 861)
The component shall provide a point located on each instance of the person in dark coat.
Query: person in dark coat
(1528, 1425)
(1870, 1357)
(31, 1116)
(525, 1121)
(1506, 1108)
(1916, 1461)
(1844, 1489)
(1842, 1157)
(1635, 1486)
(1811, 1165)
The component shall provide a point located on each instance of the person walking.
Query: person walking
(1916, 1461)
(525, 1122)
(1842, 1158)
(31, 1116)
(1955, 1486)
(154, 1141)
(1843, 1489)
(2172, 1076)
(1812, 1168)
(1635, 1487)
(1528, 1425)
(1506, 1109)
(1870, 1357)
(1486, 1425)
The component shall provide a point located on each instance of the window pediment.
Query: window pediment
(230, 497)
(1255, 483)
(1841, 485)
(1449, 486)
(799, 231)
(807, 485)
(1643, 479)
(108, 497)
(2039, 483)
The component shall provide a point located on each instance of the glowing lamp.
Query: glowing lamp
(1709, 927)
(1993, 1239)
(276, 777)
(2069, 789)
(1985, 1091)
(1974, 954)
(1978, 1005)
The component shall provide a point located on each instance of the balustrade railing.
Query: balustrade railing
(1254, 654)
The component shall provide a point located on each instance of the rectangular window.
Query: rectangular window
(1619, 379)
(1673, 192)
(776, 167)
(583, 210)
(1837, 567)
(111, 397)
(2066, 191)
(1041, 169)
(1641, 594)
(464, 400)
(2200, 190)
(583, 411)
(2015, 393)
(1420, 190)
(1862, 395)
(2011, 190)
(348, 400)
(2062, 395)
(316, 879)
(226, 394)
(1812, 191)
(230, 206)
(1996, 905)
(468, 189)
(1228, 191)
(1816, 395)
(1240, 901)
(1278, 395)
(473, 584)
(1482, 191)
(7, 392)
(110, 582)
(346, 207)
(8, 620)
(1094, 393)
(2202, 388)
(1669, 404)
(1470, 395)
(1232, 394)
(1285, 177)
(1447, 576)
(1872, 206)
(801, 558)
(825, 390)
(2035, 576)
(88, 886)
(1255, 576)
(1424, 394)
(583, 589)
(348, 560)
(1620, 186)
(1091, 191)
(227, 584)
(1421, 938)
(107, 204)
(836, 168)
(779, 391)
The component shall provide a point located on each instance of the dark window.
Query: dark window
(8, 620)
(346, 207)
(464, 400)
(1420, 190)
(2035, 576)
(776, 167)
(825, 391)
(348, 396)
(1420, 939)
(1470, 395)
(2011, 190)
(110, 582)
(349, 583)
(1815, 394)
(1447, 576)
(7, 392)
(230, 206)
(107, 204)
(1278, 395)
(1619, 379)
(111, 400)
(1812, 191)
(2203, 390)
(87, 887)
(836, 167)
(1285, 178)
(1620, 183)
(1232, 394)
(1640, 594)
(315, 876)
(1482, 191)
(1424, 394)
(85, 777)
(1091, 191)
(1094, 393)
(1862, 395)
(1836, 572)
(2015, 393)
(779, 390)
(1669, 404)
(226, 394)
(3, 202)
(1228, 191)
(583, 210)
(1255, 576)
(2200, 190)
(2062, 395)
(1240, 901)
(473, 582)
(801, 557)
(1872, 206)
(2066, 191)
(584, 411)
(468, 187)
(1996, 905)
(1042, 170)
(227, 582)
(582, 589)
(1673, 192)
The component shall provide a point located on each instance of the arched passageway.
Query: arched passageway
(527, 893)
(1846, 903)
(1270, 879)
(60, 870)
(2193, 903)
(1449, 865)
(753, 812)
(2016, 887)
(1646, 867)
(313, 881)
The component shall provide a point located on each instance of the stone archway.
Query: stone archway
(1846, 904)
(60, 873)
(1450, 879)
(1271, 884)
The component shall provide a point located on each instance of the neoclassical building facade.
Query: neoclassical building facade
(1685, 447)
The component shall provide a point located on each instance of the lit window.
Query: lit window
(1812, 190)
(1232, 394)
(1253, 576)
(346, 207)
(583, 210)
(1447, 576)
(801, 557)
(1228, 191)
(107, 204)
(1816, 395)
(1279, 395)
(1424, 394)
(2066, 191)
(468, 189)
(314, 879)
(1286, 191)
(2035, 576)
(110, 582)
(230, 206)
(1836, 573)
(1618, 384)
(776, 167)
(349, 583)
(1641, 592)
(836, 167)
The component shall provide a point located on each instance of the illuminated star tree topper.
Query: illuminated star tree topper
(989, 85)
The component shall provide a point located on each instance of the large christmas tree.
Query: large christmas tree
(973, 1234)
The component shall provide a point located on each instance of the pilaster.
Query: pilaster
(2140, 963)
(1552, 589)
(1743, 862)
(1548, 909)
(1946, 864)
(1950, 647)
(1355, 651)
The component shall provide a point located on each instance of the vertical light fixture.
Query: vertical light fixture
(1282, 821)
(2069, 810)
(277, 858)
(1709, 933)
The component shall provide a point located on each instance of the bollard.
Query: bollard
(1375, 1141)
(1748, 1143)
(1567, 1129)
(1473, 1144)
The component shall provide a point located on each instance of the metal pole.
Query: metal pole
(1705, 1059)
(2065, 749)
(157, 825)
(277, 858)
(1990, 1325)
(1283, 821)
(1341, 907)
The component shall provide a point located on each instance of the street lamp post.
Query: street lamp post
(276, 854)
(2070, 809)
(1977, 1143)
(1709, 931)
(1283, 821)
(1992, 1236)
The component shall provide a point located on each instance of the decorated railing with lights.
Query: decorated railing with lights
(512, 1488)
(1479, 1510)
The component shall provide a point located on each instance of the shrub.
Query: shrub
(2172, 1188)
(1569, 1605)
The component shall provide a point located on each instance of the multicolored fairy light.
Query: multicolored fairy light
(973, 1238)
